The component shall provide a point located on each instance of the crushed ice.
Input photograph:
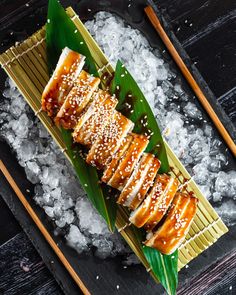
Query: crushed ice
(190, 136)
(57, 190)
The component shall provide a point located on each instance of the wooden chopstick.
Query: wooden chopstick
(43, 229)
(202, 98)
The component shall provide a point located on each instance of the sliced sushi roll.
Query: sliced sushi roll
(157, 202)
(176, 225)
(129, 161)
(93, 128)
(112, 166)
(136, 180)
(105, 146)
(134, 201)
(77, 100)
(96, 101)
(163, 204)
(67, 71)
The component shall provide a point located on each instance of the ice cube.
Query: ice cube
(76, 239)
(27, 150)
(227, 211)
(50, 176)
(89, 219)
(131, 259)
(32, 171)
(104, 247)
(192, 111)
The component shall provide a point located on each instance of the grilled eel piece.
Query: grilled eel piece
(129, 161)
(105, 146)
(120, 153)
(156, 203)
(171, 234)
(77, 100)
(92, 129)
(140, 181)
(112, 166)
(146, 185)
(67, 71)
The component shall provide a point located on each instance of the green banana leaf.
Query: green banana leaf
(61, 32)
(165, 268)
(89, 179)
(134, 105)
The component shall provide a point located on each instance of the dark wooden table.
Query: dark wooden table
(206, 30)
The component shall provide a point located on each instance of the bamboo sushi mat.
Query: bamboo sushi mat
(26, 65)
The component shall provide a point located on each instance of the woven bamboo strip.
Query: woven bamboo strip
(204, 239)
(24, 65)
(34, 65)
(38, 53)
(186, 254)
(34, 58)
(182, 259)
(29, 71)
(41, 47)
(197, 244)
(188, 247)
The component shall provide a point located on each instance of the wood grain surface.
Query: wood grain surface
(189, 77)
(206, 30)
(22, 271)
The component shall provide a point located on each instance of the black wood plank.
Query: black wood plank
(219, 279)
(22, 271)
(206, 29)
(9, 227)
